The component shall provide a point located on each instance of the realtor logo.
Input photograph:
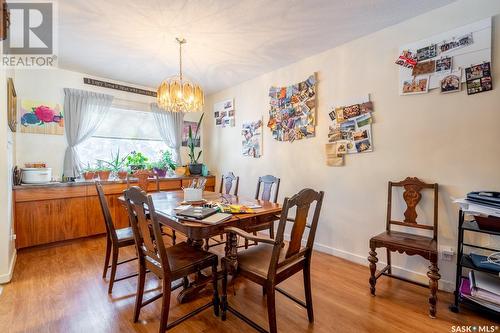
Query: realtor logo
(30, 39)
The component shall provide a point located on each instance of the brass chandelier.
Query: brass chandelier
(178, 94)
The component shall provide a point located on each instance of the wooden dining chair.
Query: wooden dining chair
(273, 261)
(404, 242)
(144, 178)
(115, 240)
(227, 181)
(167, 263)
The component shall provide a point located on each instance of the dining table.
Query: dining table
(197, 232)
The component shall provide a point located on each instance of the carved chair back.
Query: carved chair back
(227, 181)
(267, 183)
(302, 203)
(108, 220)
(144, 177)
(146, 229)
(412, 196)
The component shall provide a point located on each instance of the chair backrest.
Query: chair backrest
(301, 202)
(146, 229)
(108, 220)
(267, 183)
(144, 177)
(412, 196)
(227, 181)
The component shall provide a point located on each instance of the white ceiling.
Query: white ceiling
(229, 41)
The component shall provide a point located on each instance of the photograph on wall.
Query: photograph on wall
(224, 113)
(443, 65)
(292, 113)
(425, 67)
(415, 86)
(427, 52)
(452, 82)
(456, 43)
(332, 158)
(251, 133)
(185, 133)
(406, 59)
(41, 117)
(478, 78)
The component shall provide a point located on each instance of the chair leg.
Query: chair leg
(141, 279)
(174, 237)
(373, 267)
(271, 230)
(114, 263)
(389, 270)
(206, 246)
(106, 258)
(165, 305)
(246, 244)
(215, 300)
(224, 291)
(434, 277)
(271, 309)
(307, 290)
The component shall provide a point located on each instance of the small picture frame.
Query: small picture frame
(11, 105)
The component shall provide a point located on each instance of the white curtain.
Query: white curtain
(84, 111)
(170, 127)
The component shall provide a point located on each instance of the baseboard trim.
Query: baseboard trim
(5, 278)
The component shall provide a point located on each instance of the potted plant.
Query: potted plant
(103, 171)
(89, 172)
(194, 166)
(136, 161)
(117, 165)
(164, 164)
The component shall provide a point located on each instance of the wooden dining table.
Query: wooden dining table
(197, 232)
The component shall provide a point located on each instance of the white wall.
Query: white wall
(47, 85)
(449, 139)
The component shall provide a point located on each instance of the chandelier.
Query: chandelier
(177, 94)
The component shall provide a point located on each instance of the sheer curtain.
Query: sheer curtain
(84, 111)
(170, 127)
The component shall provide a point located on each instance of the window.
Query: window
(125, 130)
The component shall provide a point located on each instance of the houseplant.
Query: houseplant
(117, 164)
(89, 172)
(164, 164)
(136, 161)
(103, 171)
(194, 166)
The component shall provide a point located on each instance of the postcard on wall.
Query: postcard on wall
(407, 59)
(332, 159)
(425, 67)
(418, 85)
(427, 52)
(41, 118)
(452, 82)
(224, 113)
(456, 43)
(251, 133)
(478, 78)
(444, 65)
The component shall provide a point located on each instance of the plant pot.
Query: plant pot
(88, 175)
(160, 172)
(104, 175)
(195, 169)
(122, 174)
(137, 167)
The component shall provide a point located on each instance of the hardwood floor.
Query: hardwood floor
(60, 289)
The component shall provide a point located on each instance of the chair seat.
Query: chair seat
(256, 259)
(125, 236)
(405, 242)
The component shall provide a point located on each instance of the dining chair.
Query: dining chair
(167, 263)
(273, 261)
(144, 178)
(227, 181)
(265, 185)
(409, 243)
(115, 240)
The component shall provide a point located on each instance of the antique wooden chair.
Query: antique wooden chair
(227, 181)
(115, 239)
(266, 183)
(408, 243)
(168, 264)
(144, 178)
(273, 260)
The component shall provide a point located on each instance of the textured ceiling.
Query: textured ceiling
(229, 41)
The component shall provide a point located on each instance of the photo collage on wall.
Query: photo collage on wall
(224, 113)
(436, 59)
(292, 113)
(478, 78)
(351, 131)
(251, 133)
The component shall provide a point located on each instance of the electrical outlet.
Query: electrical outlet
(447, 253)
